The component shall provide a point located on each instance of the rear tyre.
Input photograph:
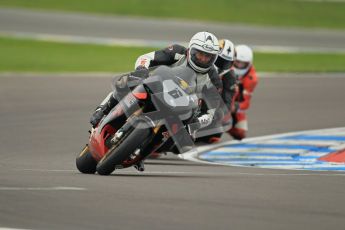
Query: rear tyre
(119, 153)
(85, 162)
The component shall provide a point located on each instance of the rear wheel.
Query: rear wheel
(120, 152)
(85, 162)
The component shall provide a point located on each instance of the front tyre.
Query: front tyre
(119, 153)
(85, 162)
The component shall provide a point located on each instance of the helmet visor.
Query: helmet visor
(223, 64)
(241, 64)
(202, 59)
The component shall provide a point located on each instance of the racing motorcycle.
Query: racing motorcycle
(157, 114)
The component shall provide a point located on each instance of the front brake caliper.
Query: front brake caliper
(117, 136)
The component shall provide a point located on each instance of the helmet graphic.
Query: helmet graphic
(202, 51)
(227, 49)
(226, 54)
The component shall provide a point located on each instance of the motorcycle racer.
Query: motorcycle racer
(225, 69)
(224, 65)
(247, 81)
(200, 56)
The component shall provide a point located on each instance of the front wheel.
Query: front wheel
(85, 162)
(119, 153)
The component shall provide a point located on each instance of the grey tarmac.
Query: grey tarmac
(44, 123)
(164, 31)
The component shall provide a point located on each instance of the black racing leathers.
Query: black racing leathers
(229, 83)
(173, 56)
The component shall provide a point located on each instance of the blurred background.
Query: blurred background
(108, 35)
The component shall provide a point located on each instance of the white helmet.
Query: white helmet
(226, 54)
(243, 59)
(227, 50)
(202, 51)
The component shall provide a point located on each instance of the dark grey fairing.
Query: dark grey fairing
(229, 83)
(180, 72)
(172, 100)
(124, 84)
(163, 73)
(177, 85)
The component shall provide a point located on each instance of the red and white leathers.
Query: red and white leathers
(246, 87)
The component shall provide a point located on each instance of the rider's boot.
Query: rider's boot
(103, 109)
(237, 133)
(140, 166)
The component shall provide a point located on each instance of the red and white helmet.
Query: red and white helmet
(243, 59)
(202, 51)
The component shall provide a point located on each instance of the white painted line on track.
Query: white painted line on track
(321, 1)
(246, 152)
(13, 228)
(151, 43)
(302, 142)
(224, 174)
(268, 137)
(86, 40)
(60, 74)
(42, 189)
(301, 75)
(48, 170)
(109, 75)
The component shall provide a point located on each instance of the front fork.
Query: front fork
(136, 158)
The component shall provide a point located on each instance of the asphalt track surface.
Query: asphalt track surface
(44, 123)
(42, 22)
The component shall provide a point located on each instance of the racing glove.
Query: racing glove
(200, 122)
(140, 67)
(205, 120)
(141, 72)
